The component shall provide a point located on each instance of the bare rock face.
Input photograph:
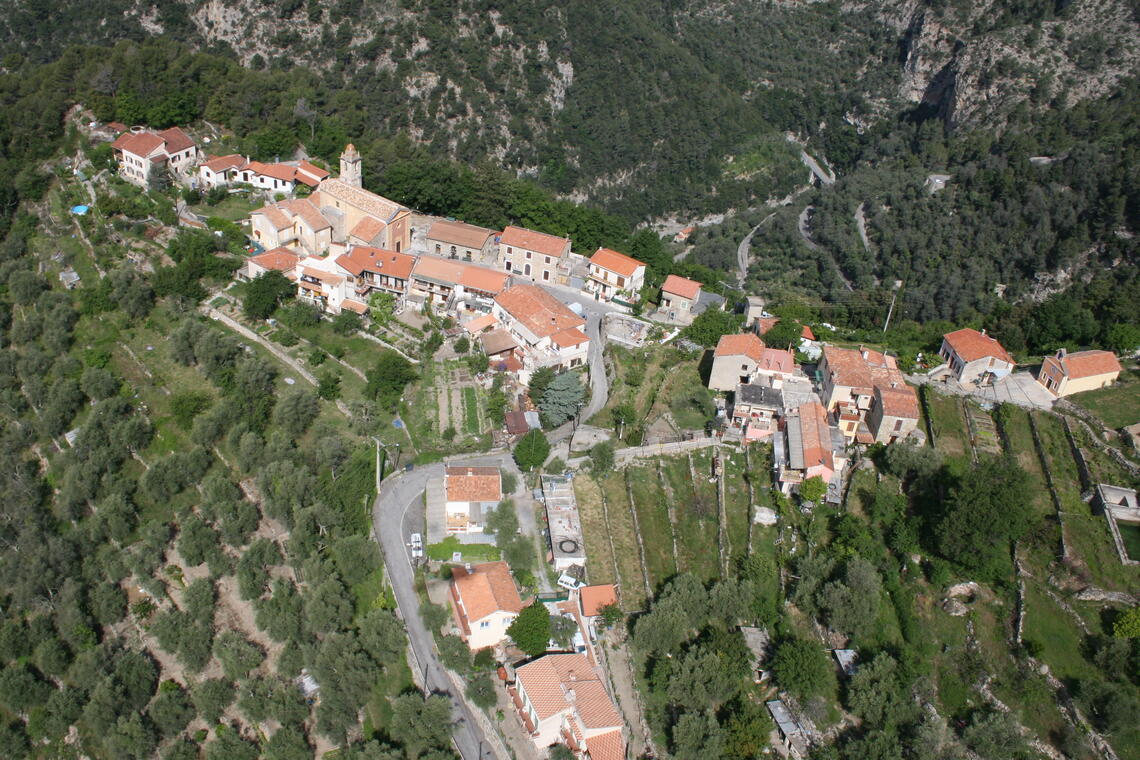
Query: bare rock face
(973, 65)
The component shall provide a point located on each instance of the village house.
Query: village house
(974, 357)
(454, 285)
(361, 217)
(221, 171)
(459, 240)
(848, 378)
(144, 155)
(756, 411)
(810, 447)
(371, 269)
(562, 700)
(615, 275)
(323, 283)
(547, 331)
(530, 254)
(296, 224)
(471, 493)
(1066, 374)
(741, 359)
(485, 602)
(679, 298)
(277, 260)
(893, 414)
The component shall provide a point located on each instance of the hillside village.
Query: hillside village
(520, 295)
(670, 454)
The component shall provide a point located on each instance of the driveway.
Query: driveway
(594, 311)
(1019, 388)
(398, 502)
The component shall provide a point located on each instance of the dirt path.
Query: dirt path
(616, 662)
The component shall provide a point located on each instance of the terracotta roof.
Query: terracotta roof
(861, 370)
(474, 484)
(806, 333)
(117, 126)
(615, 262)
(370, 203)
(363, 258)
(308, 211)
(606, 746)
(816, 433)
(541, 313)
(764, 324)
(310, 174)
(497, 341)
(681, 286)
(138, 143)
(309, 286)
(899, 401)
(487, 589)
(971, 345)
(569, 337)
(279, 259)
(776, 360)
(176, 140)
(557, 683)
(276, 217)
(282, 172)
(356, 306)
(222, 163)
(367, 229)
(530, 240)
(453, 272)
(480, 323)
(1086, 363)
(594, 598)
(459, 233)
(743, 344)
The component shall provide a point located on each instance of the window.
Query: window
(526, 269)
(547, 259)
(453, 251)
(528, 254)
(437, 248)
(621, 282)
(507, 266)
(485, 624)
(743, 367)
(898, 425)
(546, 274)
(510, 250)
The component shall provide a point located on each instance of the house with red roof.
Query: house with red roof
(809, 447)
(459, 240)
(277, 260)
(536, 256)
(679, 296)
(220, 171)
(369, 270)
(297, 224)
(471, 493)
(144, 155)
(454, 285)
(562, 699)
(614, 275)
(1069, 373)
(867, 394)
(546, 331)
(743, 359)
(484, 602)
(974, 357)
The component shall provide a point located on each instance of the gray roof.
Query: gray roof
(760, 395)
(794, 426)
(707, 300)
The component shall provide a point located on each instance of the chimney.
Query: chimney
(1062, 353)
(467, 566)
(863, 353)
(983, 331)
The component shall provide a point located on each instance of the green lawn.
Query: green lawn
(653, 519)
(234, 207)
(478, 552)
(471, 411)
(697, 541)
(1117, 406)
(950, 436)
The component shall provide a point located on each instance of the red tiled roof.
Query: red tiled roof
(541, 313)
(530, 240)
(222, 163)
(497, 341)
(557, 683)
(594, 598)
(971, 345)
(487, 589)
(1086, 363)
(569, 337)
(606, 746)
(480, 323)
(363, 258)
(743, 344)
(851, 369)
(308, 211)
(176, 140)
(899, 401)
(276, 217)
(310, 174)
(615, 262)
(278, 259)
(316, 274)
(356, 306)
(681, 286)
(459, 273)
(459, 233)
(282, 172)
(367, 229)
(474, 484)
(816, 436)
(138, 143)
(776, 360)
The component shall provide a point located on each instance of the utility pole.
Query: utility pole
(891, 310)
(378, 475)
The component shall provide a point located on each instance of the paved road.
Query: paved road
(400, 494)
(742, 250)
(595, 311)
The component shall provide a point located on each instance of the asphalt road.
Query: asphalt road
(400, 494)
(594, 311)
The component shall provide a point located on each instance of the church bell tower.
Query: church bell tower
(350, 166)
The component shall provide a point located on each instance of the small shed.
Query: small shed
(792, 734)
